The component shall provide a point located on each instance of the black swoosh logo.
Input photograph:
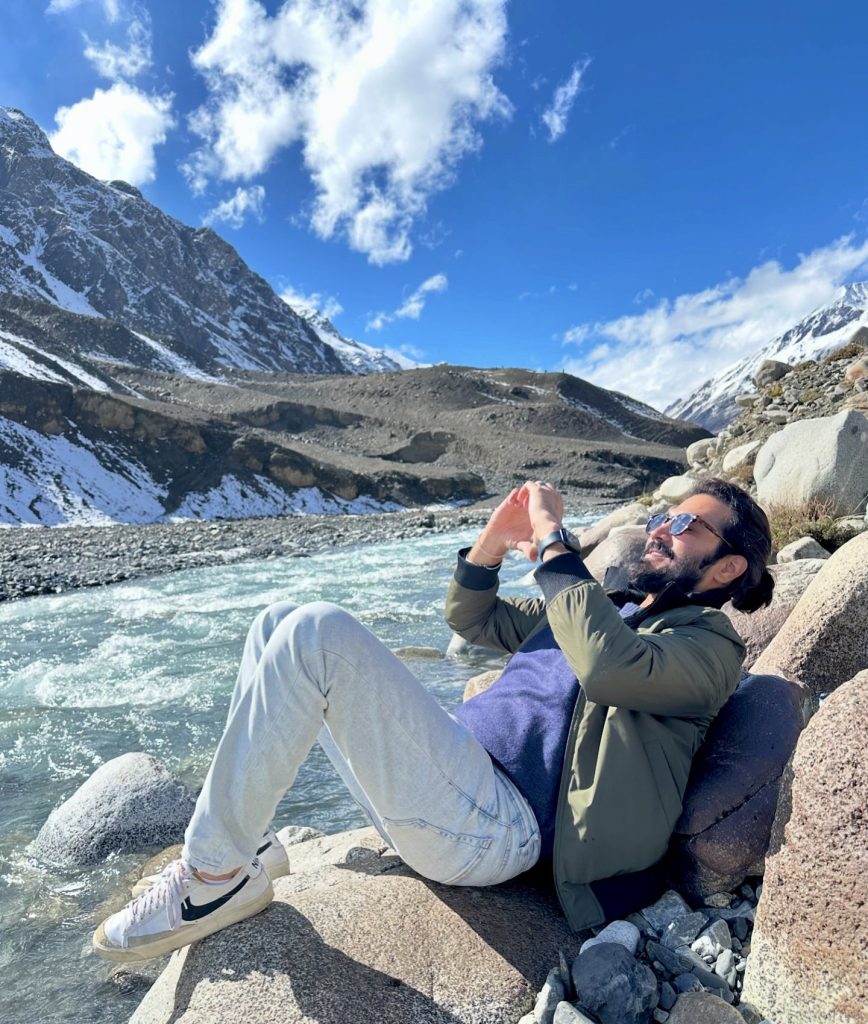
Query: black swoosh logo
(191, 912)
(262, 849)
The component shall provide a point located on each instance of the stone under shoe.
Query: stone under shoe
(180, 908)
(271, 855)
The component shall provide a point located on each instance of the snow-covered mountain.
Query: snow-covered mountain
(821, 332)
(356, 357)
(189, 302)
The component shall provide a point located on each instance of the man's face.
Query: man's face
(686, 559)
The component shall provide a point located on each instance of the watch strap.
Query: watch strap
(561, 536)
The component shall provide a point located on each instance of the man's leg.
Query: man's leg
(435, 793)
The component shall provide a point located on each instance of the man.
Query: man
(579, 753)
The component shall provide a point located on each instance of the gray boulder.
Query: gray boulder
(676, 488)
(129, 803)
(699, 451)
(804, 547)
(480, 683)
(704, 1008)
(741, 455)
(354, 935)
(634, 514)
(623, 547)
(735, 779)
(821, 461)
(759, 628)
(824, 641)
(613, 985)
(770, 370)
(807, 961)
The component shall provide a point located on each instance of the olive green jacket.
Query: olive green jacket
(650, 686)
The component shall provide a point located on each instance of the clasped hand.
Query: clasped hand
(526, 515)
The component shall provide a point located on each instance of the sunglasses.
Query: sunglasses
(680, 523)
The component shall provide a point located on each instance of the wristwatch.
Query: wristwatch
(561, 536)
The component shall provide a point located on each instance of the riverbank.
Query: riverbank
(52, 560)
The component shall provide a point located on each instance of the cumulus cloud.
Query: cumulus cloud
(110, 7)
(667, 351)
(119, 62)
(555, 117)
(247, 202)
(113, 134)
(411, 308)
(312, 302)
(383, 96)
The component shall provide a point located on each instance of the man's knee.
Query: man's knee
(316, 623)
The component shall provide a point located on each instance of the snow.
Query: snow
(12, 358)
(64, 296)
(177, 364)
(58, 481)
(232, 499)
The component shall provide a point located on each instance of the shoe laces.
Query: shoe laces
(166, 892)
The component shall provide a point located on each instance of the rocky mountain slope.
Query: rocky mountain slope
(151, 446)
(102, 250)
(713, 405)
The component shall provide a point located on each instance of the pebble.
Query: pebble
(661, 914)
(622, 932)
(566, 1013)
(661, 1016)
(551, 994)
(667, 998)
(683, 930)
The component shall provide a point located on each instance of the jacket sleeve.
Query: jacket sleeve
(683, 671)
(475, 612)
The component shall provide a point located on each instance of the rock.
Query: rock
(675, 489)
(746, 401)
(732, 792)
(341, 939)
(758, 628)
(634, 514)
(668, 996)
(807, 961)
(780, 417)
(705, 1008)
(741, 455)
(687, 982)
(804, 547)
(699, 451)
(416, 653)
(292, 835)
(661, 914)
(566, 1013)
(824, 641)
(480, 683)
(770, 370)
(851, 526)
(857, 369)
(613, 985)
(821, 460)
(622, 932)
(725, 967)
(129, 803)
(549, 996)
(622, 548)
(718, 935)
(683, 930)
(675, 961)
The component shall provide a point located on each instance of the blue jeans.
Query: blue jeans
(314, 672)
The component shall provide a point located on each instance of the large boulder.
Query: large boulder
(735, 778)
(675, 489)
(622, 548)
(824, 641)
(807, 961)
(129, 803)
(634, 514)
(354, 935)
(816, 461)
(770, 370)
(759, 628)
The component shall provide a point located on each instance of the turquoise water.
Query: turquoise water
(149, 666)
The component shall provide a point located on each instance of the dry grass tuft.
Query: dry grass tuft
(811, 519)
(849, 351)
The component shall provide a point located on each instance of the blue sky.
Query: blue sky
(638, 193)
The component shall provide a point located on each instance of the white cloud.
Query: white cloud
(666, 352)
(117, 62)
(384, 97)
(114, 133)
(314, 302)
(411, 308)
(555, 117)
(110, 7)
(235, 210)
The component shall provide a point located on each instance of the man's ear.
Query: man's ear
(728, 569)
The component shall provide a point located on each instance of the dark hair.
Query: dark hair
(748, 533)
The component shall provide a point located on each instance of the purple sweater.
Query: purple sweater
(523, 721)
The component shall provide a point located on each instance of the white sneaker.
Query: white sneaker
(271, 855)
(179, 909)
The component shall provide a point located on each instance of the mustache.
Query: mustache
(659, 546)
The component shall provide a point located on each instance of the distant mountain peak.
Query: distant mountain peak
(18, 130)
(813, 337)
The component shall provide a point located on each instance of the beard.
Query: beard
(685, 572)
